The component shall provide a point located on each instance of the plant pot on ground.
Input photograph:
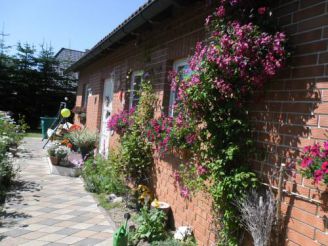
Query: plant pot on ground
(57, 153)
(54, 160)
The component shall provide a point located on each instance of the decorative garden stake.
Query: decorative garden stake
(258, 214)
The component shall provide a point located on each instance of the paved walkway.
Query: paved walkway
(47, 209)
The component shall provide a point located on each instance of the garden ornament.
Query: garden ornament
(182, 233)
(121, 234)
(145, 194)
(65, 112)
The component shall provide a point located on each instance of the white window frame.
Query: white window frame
(176, 65)
(132, 91)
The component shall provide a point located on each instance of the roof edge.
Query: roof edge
(144, 14)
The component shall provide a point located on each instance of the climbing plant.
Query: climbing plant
(136, 151)
(241, 52)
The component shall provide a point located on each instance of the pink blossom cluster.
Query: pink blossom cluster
(315, 162)
(184, 190)
(159, 131)
(121, 122)
(244, 57)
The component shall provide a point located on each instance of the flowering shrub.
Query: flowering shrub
(314, 163)
(158, 132)
(11, 133)
(172, 134)
(235, 61)
(121, 122)
(242, 52)
(136, 154)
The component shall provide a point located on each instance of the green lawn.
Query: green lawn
(34, 134)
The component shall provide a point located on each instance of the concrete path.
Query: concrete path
(47, 209)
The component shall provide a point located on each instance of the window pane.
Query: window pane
(135, 86)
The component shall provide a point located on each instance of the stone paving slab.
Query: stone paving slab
(47, 209)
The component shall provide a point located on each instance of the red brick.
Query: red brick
(286, 8)
(307, 218)
(322, 85)
(322, 237)
(300, 238)
(307, 3)
(302, 228)
(312, 47)
(319, 133)
(300, 84)
(313, 23)
(309, 12)
(305, 37)
(323, 57)
(323, 121)
(305, 60)
(308, 71)
(290, 243)
(321, 108)
(306, 206)
(325, 32)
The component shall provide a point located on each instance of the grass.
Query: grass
(34, 134)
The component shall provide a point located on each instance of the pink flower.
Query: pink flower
(325, 145)
(324, 166)
(185, 192)
(191, 138)
(208, 20)
(201, 170)
(318, 175)
(307, 149)
(220, 11)
(261, 10)
(176, 176)
(315, 150)
(306, 162)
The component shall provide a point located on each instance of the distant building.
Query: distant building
(66, 57)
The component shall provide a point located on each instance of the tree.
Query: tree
(30, 84)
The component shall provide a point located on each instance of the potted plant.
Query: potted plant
(62, 152)
(57, 152)
(52, 154)
(84, 140)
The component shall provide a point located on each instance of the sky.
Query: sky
(75, 24)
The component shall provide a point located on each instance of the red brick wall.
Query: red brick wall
(292, 112)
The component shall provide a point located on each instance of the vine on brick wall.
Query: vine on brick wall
(210, 127)
(241, 53)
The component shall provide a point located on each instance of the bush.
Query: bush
(103, 176)
(151, 225)
(10, 136)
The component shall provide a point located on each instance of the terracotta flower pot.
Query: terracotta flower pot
(54, 160)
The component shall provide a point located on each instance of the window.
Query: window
(182, 68)
(85, 95)
(136, 79)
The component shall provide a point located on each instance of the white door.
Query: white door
(107, 108)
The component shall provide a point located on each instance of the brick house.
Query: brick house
(292, 113)
(66, 57)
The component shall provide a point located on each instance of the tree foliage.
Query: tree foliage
(30, 84)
